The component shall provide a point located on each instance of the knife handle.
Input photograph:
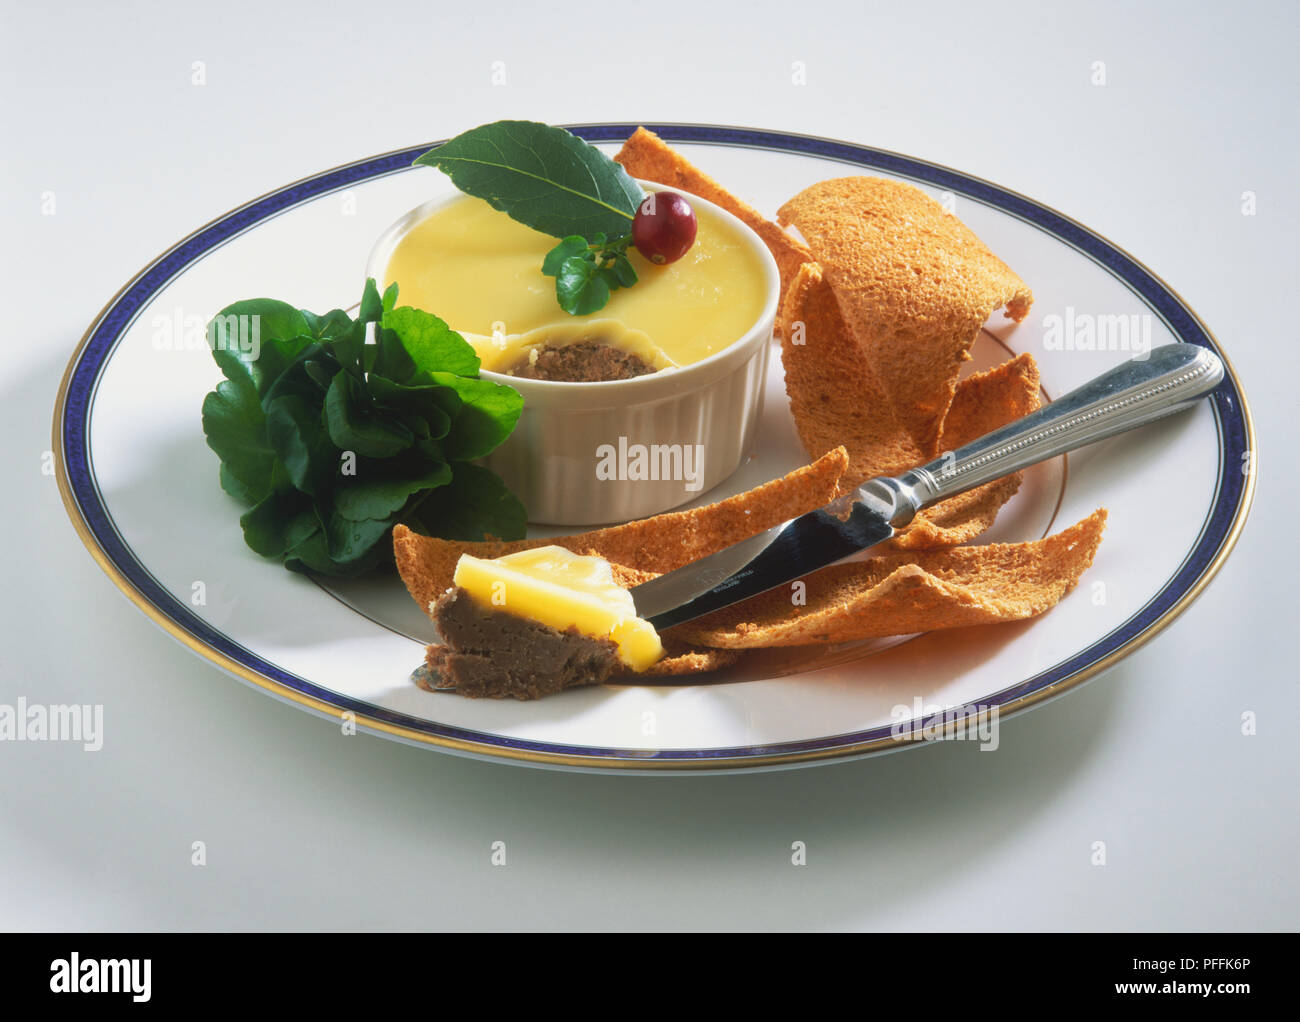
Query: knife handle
(1171, 378)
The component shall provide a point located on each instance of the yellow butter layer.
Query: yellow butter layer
(481, 272)
(563, 590)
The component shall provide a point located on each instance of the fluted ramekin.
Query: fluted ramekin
(695, 423)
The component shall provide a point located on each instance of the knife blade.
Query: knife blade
(1167, 379)
(762, 562)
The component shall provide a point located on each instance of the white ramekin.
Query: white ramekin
(550, 460)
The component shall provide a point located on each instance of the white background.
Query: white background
(306, 828)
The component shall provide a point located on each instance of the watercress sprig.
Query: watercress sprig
(331, 429)
(586, 272)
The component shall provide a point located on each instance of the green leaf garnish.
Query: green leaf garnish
(350, 540)
(579, 287)
(542, 176)
(486, 415)
(586, 274)
(475, 505)
(554, 182)
(279, 522)
(293, 429)
(573, 246)
(354, 425)
(621, 269)
(254, 341)
(430, 343)
(330, 438)
(235, 426)
(384, 491)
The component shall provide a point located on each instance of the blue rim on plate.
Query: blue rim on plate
(1234, 487)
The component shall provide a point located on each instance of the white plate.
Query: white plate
(141, 487)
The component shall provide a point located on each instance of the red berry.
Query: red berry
(664, 227)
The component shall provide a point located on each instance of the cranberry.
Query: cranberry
(664, 227)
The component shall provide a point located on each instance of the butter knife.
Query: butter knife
(1169, 379)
